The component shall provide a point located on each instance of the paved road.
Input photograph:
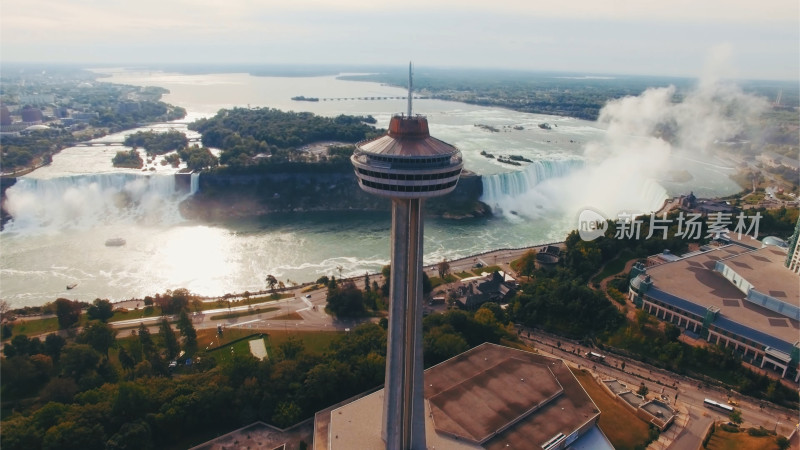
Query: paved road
(691, 393)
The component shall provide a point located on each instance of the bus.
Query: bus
(708, 403)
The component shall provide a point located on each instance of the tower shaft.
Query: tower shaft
(407, 165)
(403, 408)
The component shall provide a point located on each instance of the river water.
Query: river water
(64, 213)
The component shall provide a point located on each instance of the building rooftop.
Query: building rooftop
(764, 269)
(694, 285)
(491, 397)
(407, 137)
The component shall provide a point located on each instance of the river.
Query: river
(64, 213)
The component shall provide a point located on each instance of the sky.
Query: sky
(673, 38)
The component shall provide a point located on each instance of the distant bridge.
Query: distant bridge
(340, 99)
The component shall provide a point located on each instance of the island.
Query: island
(296, 162)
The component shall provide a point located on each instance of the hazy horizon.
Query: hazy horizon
(760, 41)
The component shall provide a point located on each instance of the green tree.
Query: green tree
(440, 345)
(20, 345)
(286, 414)
(443, 268)
(736, 416)
(346, 301)
(20, 433)
(77, 360)
(783, 442)
(187, 331)
(131, 401)
(100, 336)
(23, 374)
(173, 302)
(68, 312)
(128, 159)
(271, 281)
(291, 348)
(125, 359)
(70, 435)
(672, 332)
(643, 390)
(53, 344)
(131, 436)
(61, 390)
(145, 341)
(527, 263)
(171, 345)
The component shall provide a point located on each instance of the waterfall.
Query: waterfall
(545, 188)
(83, 201)
(194, 184)
(499, 189)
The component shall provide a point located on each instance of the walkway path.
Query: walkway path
(630, 313)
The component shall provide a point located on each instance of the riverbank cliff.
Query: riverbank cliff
(232, 196)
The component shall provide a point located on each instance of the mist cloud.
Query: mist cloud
(645, 136)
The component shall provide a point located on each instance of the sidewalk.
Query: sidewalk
(666, 438)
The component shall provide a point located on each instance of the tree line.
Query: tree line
(265, 136)
(195, 157)
(99, 390)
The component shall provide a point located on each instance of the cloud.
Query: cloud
(664, 38)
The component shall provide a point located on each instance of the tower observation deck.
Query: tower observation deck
(407, 162)
(408, 166)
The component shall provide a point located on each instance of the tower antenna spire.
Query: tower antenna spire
(410, 89)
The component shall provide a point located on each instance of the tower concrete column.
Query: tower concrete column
(403, 408)
(406, 165)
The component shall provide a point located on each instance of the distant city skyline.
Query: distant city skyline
(751, 40)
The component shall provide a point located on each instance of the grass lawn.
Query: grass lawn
(249, 312)
(722, 440)
(222, 303)
(620, 425)
(225, 353)
(465, 274)
(487, 269)
(291, 316)
(147, 311)
(34, 327)
(314, 341)
(614, 266)
(753, 199)
(207, 337)
(436, 281)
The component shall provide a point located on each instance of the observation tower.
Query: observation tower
(408, 166)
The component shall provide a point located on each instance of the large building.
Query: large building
(406, 165)
(793, 254)
(736, 295)
(489, 397)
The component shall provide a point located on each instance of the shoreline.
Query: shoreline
(240, 295)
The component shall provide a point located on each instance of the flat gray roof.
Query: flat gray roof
(528, 397)
(764, 269)
(494, 398)
(568, 409)
(693, 279)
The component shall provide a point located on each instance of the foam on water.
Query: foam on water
(84, 201)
